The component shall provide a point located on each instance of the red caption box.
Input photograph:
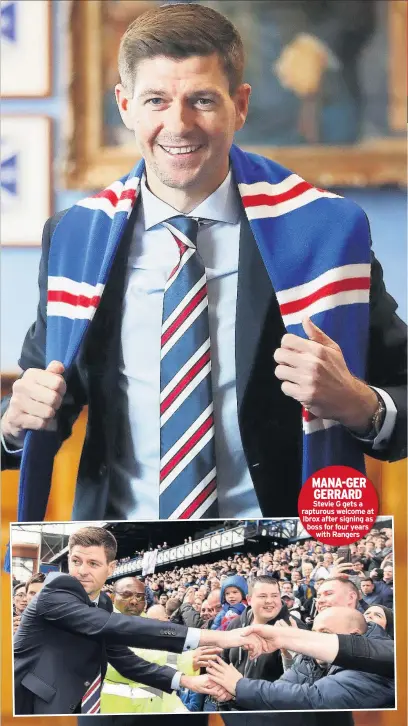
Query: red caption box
(338, 505)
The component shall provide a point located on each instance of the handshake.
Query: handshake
(221, 678)
(256, 639)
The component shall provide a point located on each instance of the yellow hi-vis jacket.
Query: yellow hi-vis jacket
(121, 695)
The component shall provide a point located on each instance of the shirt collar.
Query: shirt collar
(221, 206)
(96, 601)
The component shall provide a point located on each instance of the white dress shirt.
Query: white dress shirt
(153, 255)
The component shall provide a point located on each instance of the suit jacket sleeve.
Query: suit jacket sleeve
(33, 355)
(137, 669)
(61, 602)
(373, 655)
(387, 362)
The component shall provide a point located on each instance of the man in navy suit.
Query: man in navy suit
(69, 633)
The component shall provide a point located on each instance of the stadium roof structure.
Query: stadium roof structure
(136, 536)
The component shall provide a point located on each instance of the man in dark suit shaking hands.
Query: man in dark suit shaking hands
(69, 633)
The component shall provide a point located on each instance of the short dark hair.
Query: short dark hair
(94, 537)
(367, 579)
(345, 581)
(172, 31)
(126, 577)
(38, 577)
(172, 605)
(264, 580)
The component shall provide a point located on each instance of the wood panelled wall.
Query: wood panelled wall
(390, 481)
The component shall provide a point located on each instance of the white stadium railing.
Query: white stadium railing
(210, 543)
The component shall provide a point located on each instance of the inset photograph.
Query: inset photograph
(200, 616)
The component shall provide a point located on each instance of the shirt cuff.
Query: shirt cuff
(8, 450)
(175, 681)
(390, 418)
(192, 640)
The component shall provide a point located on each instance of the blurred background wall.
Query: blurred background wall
(386, 209)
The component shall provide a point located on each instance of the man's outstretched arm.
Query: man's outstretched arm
(353, 652)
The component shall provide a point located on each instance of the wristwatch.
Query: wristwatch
(376, 421)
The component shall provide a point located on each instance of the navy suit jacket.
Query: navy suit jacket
(63, 641)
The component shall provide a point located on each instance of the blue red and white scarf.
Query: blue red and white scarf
(316, 249)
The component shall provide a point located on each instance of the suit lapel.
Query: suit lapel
(105, 603)
(254, 296)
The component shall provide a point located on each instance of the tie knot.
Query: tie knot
(187, 226)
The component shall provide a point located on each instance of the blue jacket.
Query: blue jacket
(387, 593)
(234, 581)
(308, 686)
(379, 596)
(193, 701)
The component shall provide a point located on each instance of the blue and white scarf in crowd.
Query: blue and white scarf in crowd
(316, 249)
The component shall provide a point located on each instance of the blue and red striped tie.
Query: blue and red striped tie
(188, 487)
(91, 702)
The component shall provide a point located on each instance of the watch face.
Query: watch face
(379, 416)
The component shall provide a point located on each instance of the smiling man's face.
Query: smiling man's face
(265, 601)
(184, 120)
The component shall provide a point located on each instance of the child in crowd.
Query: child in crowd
(233, 599)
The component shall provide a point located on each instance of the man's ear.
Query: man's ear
(241, 100)
(112, 567)
(123, 100)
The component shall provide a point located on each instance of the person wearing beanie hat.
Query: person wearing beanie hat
(383, 616)
(233, 598)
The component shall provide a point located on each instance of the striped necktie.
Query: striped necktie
(187, 448)
(91, 701)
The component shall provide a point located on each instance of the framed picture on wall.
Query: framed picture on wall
(26, 183)
(25, 48)
(342, 124)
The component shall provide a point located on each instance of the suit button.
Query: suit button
(72, 707)
(87, 684)
(102, 470)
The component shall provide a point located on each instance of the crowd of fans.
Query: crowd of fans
(306, 585)
(286, 585)
(299, 568)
